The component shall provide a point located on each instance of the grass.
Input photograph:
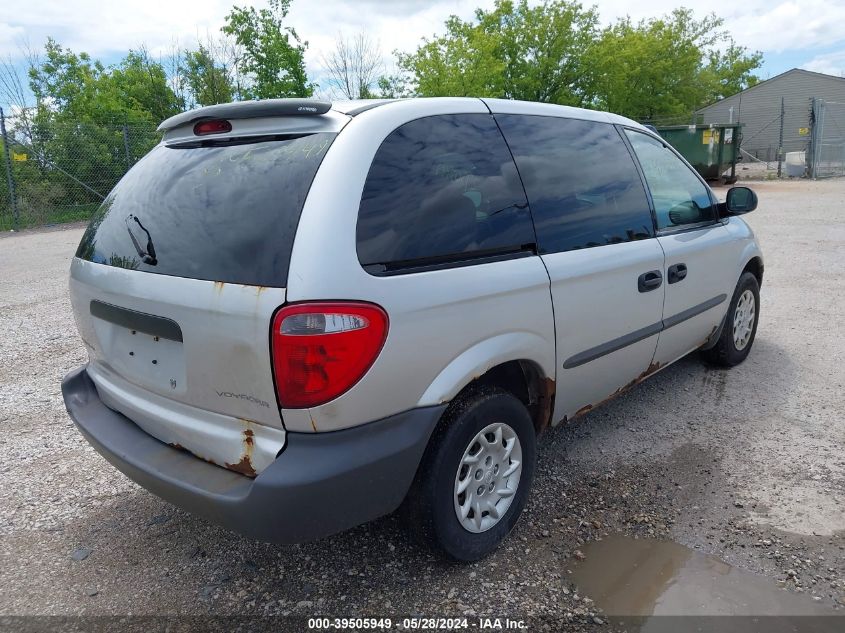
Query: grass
(56, 215)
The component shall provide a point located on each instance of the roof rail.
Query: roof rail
(249, 110)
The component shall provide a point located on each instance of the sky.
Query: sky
(808, 34)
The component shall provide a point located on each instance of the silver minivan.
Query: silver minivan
(301, 316)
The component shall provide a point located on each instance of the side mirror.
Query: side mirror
(738, 201)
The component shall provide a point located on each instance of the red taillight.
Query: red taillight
(215, 126)
(320, 350)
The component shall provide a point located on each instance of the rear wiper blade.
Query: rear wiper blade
(147, 256)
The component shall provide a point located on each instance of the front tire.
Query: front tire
(474, 479)
(740, 326)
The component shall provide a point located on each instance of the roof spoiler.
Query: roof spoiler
(249, 110)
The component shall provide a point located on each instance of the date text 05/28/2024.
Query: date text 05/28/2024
(418, 623)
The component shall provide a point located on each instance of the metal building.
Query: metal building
(759, 110)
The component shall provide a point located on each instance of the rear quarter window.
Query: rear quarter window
(218, 211)
(441, 189)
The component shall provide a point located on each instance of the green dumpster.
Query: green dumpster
(711, 148)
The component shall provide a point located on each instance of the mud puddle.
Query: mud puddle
(642, 577)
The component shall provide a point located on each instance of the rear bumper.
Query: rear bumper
(321, 484)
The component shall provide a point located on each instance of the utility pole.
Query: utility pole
(9, 176)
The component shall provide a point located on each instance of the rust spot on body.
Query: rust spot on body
(545, 404)
(218, 286)
(585, 409)
(244, 467)
(652, 368)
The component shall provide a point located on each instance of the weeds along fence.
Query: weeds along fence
(60, 172)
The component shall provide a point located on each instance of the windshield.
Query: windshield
(223, 212)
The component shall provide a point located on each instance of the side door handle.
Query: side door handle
(676, 273)
(649, 281)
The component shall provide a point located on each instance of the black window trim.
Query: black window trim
(651, 208)
(445, 262)
(685, 228)
(521, 182)
(625, 142)
(681, 228)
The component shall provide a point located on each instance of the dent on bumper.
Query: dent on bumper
(321, 484)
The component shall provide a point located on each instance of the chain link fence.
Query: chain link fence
(774, 141)
(827, 146)
(775, 135)
(782, 139)
(60, 172)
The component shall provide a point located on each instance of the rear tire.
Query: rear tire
(740, 326)
(487, 433)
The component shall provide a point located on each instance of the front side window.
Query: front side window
(581, 181)
(680, 198)
(441, 189)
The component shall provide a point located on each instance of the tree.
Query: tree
(392, 87)
(273, 55)
(90, 122)
(542, 49)
(513, 51)
(353, 67)
(14, 91)
(668, 67)
(75, 88)
(140, 84)
(64, 81)
(458, 64)
(208, 81)
(554, 52)
(730, 71)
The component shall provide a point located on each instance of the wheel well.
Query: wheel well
(755, 267)
(525, 381)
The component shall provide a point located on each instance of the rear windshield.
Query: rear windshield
(225, 212)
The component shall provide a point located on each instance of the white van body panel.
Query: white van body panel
(207, 393)
(435, 316)
(596, 301)
(710, 280)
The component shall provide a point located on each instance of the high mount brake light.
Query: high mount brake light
(320, 350)
(214, 126)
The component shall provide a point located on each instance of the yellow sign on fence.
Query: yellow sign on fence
(803, 131)
(20, 157)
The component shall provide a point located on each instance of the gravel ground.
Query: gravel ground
(746, 464)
